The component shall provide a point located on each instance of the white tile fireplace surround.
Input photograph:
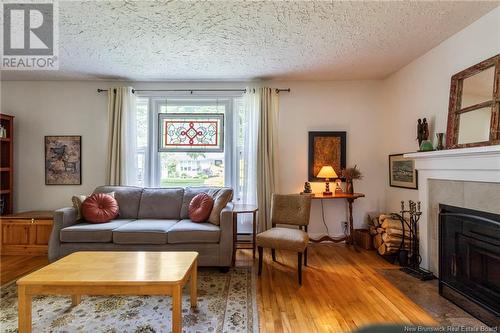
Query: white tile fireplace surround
(465, 177)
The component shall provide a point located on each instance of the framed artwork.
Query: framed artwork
(63, 160)
(402, 172)
(326, 148)
(201, 132)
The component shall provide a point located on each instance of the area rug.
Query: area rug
(226, 303)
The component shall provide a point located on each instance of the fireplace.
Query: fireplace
(469, 261)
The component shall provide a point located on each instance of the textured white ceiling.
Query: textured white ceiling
(227, 40)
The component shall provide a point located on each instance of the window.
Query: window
(191, 141)
(194, 132)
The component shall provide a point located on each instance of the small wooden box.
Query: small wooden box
(363, 239)
(26, 233)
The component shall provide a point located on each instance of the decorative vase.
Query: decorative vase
(440, 137)
(426, 146)
(349, 187)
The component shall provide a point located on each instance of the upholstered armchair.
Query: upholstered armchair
(292, 210)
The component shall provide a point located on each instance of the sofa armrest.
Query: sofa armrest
(63, 218)
(227, 236)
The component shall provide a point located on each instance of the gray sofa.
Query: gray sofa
(150, 219)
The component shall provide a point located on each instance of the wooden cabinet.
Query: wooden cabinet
(26, 233)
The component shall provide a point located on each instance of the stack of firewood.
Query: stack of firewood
(387, 233)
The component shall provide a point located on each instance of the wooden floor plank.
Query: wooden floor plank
(13, 267)
(341, 290)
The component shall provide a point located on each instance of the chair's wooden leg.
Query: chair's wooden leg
(305, 257)
(299, 267)
(273, 254)
(261, 250)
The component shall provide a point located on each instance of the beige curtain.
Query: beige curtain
(121, 138)
(267, 154)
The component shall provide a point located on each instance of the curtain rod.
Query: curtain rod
(191, 90)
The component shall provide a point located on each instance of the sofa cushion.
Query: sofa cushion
(189, 194)
(143, 231)
(187, 231)
(221, 196)
(161, 203)
(91, 232)
(200, 207)
(77, 201)
(283, 238)
(128, 198)
(99, 208)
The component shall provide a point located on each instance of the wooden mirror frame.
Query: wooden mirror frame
(455, 110)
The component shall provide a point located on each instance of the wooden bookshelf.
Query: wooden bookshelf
(7, 164)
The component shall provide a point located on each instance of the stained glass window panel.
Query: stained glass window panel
(200, 132)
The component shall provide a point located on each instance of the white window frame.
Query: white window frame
(152, 174)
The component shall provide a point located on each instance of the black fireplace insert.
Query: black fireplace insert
(469, 261)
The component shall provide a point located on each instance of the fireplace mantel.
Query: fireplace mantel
(467, 159)
(477, 164)
(474, 151)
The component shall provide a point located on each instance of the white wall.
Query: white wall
(61, 108)
(54, 108)
(422, 88)
(332, 106)
(75, 108)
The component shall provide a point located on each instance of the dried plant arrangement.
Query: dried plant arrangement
(352, 173)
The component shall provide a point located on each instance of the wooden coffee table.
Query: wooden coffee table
(112, 273)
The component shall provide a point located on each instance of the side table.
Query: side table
(244, 209)
(350, 200)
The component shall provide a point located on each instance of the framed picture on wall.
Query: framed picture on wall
(326, 148)
(63, 160)
(402, 172)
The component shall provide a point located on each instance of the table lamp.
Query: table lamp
(328, 173)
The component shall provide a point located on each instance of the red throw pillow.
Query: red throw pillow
(200, 207)
(99, 208)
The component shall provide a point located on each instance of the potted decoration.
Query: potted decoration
(350, 174)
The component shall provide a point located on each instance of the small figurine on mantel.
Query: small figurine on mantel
(422, 130)
(420, 133)
(423, 135)
(338, 186)
(425, 127)
(307, 187)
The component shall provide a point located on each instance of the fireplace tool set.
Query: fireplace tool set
(409, 257)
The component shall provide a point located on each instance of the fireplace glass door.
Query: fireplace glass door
(479, 269)
(469, 270)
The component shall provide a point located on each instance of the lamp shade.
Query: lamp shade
(327, 172)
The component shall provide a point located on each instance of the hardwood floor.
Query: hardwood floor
(13, 267)
(341, 290)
